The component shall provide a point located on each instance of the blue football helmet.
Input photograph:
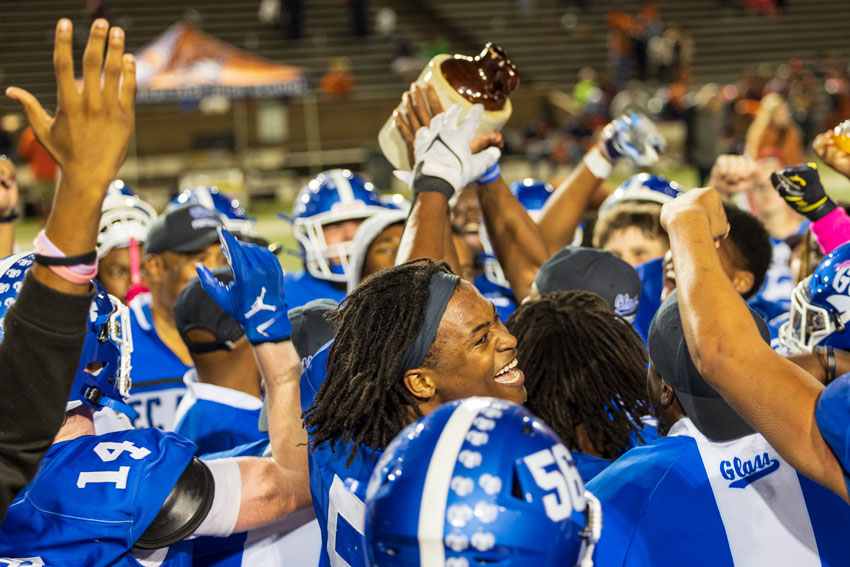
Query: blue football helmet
(642, 188)
(124, 215)
(479, 481)
(532, 194)
(103, 376)
(820, 306)
(231, 213)
(332, 196)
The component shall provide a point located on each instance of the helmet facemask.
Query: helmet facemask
(807, 324)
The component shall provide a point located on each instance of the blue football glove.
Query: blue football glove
(632, 136)
(255, 297)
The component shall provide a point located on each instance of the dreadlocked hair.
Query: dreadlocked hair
(363, 398)
(584, 366)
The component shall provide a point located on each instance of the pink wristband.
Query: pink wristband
(79, 274)
(832, 231)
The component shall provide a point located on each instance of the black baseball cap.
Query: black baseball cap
(668, 352)
(310, 332)
(195, 309)
(590, 269)
(184, 229)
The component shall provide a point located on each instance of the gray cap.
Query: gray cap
(184, 230)
(589, 269)
(668, 352)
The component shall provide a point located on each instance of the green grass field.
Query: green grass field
(278, 230)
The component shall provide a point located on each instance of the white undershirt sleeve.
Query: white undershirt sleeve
(224, 512)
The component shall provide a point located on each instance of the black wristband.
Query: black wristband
(86, 258)
(10, 218)
(423, 182)
(817, 214)
(830, 361)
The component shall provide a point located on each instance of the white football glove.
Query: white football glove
(442, 153)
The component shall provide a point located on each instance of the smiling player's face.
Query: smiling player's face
(477, 354)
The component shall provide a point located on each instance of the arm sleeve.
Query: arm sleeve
(42, 341)
(224, 512)
(832, 230)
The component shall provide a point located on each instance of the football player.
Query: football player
(124, 224)
(735, 498)
(46, 330)
(176, 241)
(135, 495)
(408, 339)
(325, 217)
(807, 425)
(477, 482)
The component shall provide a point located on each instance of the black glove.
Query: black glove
(801, 188)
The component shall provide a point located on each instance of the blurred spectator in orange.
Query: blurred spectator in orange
(338, 82)
(43, 169)
(773, 133)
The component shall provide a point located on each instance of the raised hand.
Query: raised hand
(702, 201)
(255, 297)
(420, 105)
(90, 132)
(442, 150)
(733, 174)
(826, 149)
(801, 188)
(632, 136)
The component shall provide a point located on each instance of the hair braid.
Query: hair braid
(363, 398)
(584, 366)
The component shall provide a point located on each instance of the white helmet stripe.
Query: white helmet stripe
(343, 186)
(204, 197)
(432, 509)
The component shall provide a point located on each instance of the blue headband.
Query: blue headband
(441, 288)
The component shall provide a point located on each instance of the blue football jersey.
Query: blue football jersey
(500, 297)
(685, 500)
(833, 418)
(217, 418)
(157, 372)
(315, 371)
(652, 284)
(293, 541)
(302, 287)
(338, 493)
(93, 497)
(338, 490)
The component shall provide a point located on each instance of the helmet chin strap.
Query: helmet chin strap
(120, 407)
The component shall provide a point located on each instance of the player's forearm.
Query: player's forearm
(711, 309)
(269, 493)
(562, 213)
(425, 230)
(280, 368)
(773, 394)
(517, 241)
(72, 226)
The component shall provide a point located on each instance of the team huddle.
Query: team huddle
(480, 374)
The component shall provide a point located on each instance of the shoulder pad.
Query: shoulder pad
(183, 510)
